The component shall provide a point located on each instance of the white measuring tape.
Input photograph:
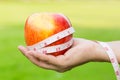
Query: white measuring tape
(112, 59)
(41, 46)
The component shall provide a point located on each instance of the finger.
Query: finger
(40, 63)
(45, 58)
(23, 50)
(45, 65)
(48, 59)
(35, 60)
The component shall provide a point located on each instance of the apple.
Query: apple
(40, 26)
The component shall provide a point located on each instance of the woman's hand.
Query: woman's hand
(81, 52)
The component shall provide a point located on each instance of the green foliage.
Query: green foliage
(95, 20)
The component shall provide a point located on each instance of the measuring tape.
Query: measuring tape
(41, 46)
(112, 59)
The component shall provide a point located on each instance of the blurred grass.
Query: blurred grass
(92, 19)
(94, 13)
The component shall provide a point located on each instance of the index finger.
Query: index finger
(47, 58)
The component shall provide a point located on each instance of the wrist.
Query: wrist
(115, 46)
(99, 54)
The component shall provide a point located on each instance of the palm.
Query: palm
(76, 55)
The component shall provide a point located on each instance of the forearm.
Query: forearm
(100, 54)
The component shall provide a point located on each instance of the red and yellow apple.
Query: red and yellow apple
(40, 26)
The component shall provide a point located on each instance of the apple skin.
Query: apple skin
(40, 26)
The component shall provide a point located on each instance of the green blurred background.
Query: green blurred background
(92, 19)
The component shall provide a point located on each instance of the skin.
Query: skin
(81, 52)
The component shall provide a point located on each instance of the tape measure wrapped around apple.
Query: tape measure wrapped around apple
(48, 33)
